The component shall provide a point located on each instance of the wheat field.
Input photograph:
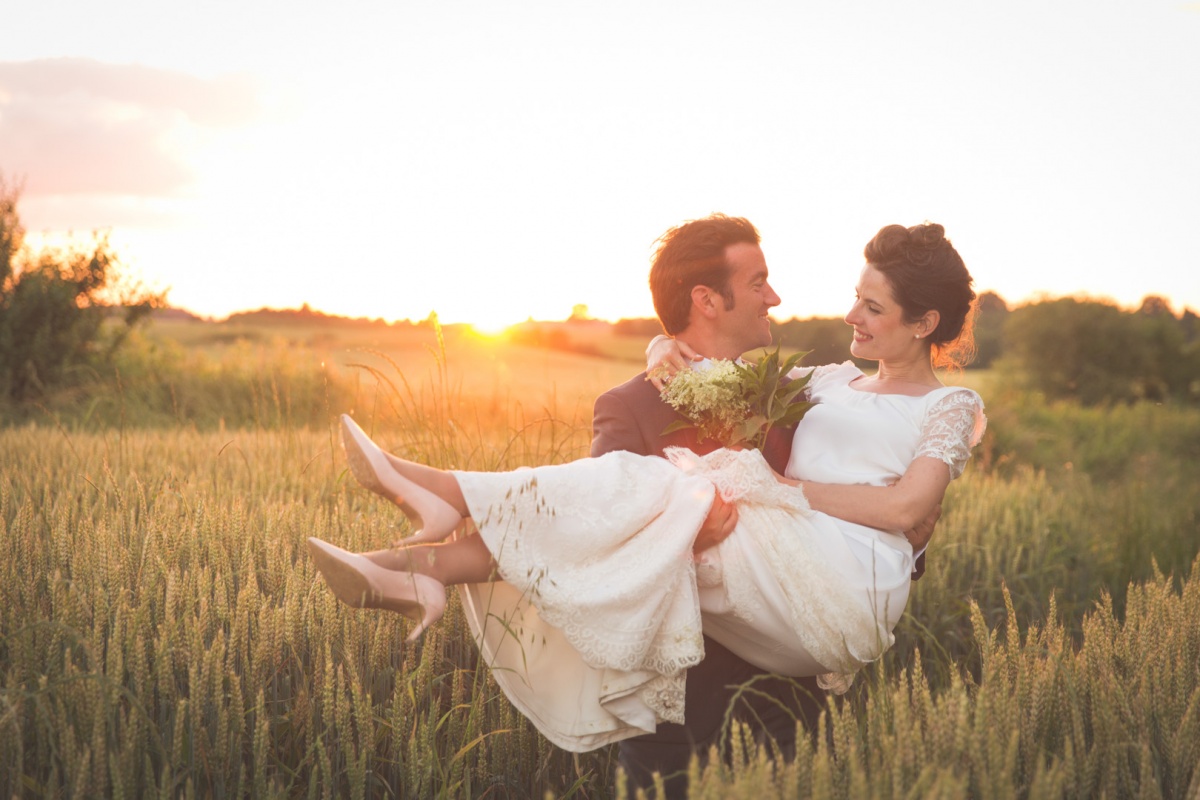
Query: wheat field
(163, 634)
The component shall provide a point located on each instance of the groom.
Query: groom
(709, 283)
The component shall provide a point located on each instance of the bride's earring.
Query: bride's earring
(437, 518)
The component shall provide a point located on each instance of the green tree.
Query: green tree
(989, 329)
(826, 338)
(1172, 367)
(647, 327)
(63, 311)
(1095, 352)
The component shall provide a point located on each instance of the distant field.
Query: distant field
(475, 365)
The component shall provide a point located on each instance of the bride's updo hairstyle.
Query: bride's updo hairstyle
(926, 273)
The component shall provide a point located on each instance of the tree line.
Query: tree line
(64, 313)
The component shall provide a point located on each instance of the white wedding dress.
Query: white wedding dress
(602, 607)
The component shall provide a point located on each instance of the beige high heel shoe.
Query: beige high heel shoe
(436, 518)
(359, 582)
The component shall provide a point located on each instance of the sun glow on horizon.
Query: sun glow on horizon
(489, 330)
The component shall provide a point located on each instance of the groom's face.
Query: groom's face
(746, 321)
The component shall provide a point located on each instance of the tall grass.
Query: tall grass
(1033, 534)
(1117, 715)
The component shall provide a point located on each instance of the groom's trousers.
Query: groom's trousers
(721, 688)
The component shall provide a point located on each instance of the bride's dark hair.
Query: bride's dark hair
(926, 273)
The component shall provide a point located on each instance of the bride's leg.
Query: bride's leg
(359, 582)
(438, 481)
(430, 497)
(465, 560)
(409, 581)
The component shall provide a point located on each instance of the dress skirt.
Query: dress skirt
(602, 607)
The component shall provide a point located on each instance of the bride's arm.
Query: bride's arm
(667, 354)
(899, 507)
(951, 428)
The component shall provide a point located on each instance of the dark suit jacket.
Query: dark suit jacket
(632, 417)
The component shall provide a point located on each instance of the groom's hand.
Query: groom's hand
(920, 535)
(720, 522)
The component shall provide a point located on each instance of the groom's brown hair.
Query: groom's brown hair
(693, 254)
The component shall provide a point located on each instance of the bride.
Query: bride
(580, 585)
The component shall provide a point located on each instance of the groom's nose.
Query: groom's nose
(769, 296)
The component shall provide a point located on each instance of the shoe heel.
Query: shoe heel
(433, 613)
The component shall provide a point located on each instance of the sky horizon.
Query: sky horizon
(1177, 308)
(495, 163)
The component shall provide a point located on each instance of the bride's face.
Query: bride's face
(880, 332)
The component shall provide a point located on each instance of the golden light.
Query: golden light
(490, 330)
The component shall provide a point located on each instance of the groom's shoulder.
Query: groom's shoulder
(629, 417)
(636, 388)
(636, 396)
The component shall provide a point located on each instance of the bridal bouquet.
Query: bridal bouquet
(737, 403)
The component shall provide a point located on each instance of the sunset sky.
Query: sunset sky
(495, 161)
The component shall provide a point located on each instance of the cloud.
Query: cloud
(72, 126)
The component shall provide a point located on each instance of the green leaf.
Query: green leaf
(679, 425)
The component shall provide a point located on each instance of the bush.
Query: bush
(63, 312)
(826, 338)
(989, 329)
(1094, 352)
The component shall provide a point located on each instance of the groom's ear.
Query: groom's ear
(704, 300)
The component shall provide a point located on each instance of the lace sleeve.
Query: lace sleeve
(825, 370)
(953, 425)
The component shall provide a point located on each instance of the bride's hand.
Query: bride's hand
(666, 356)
